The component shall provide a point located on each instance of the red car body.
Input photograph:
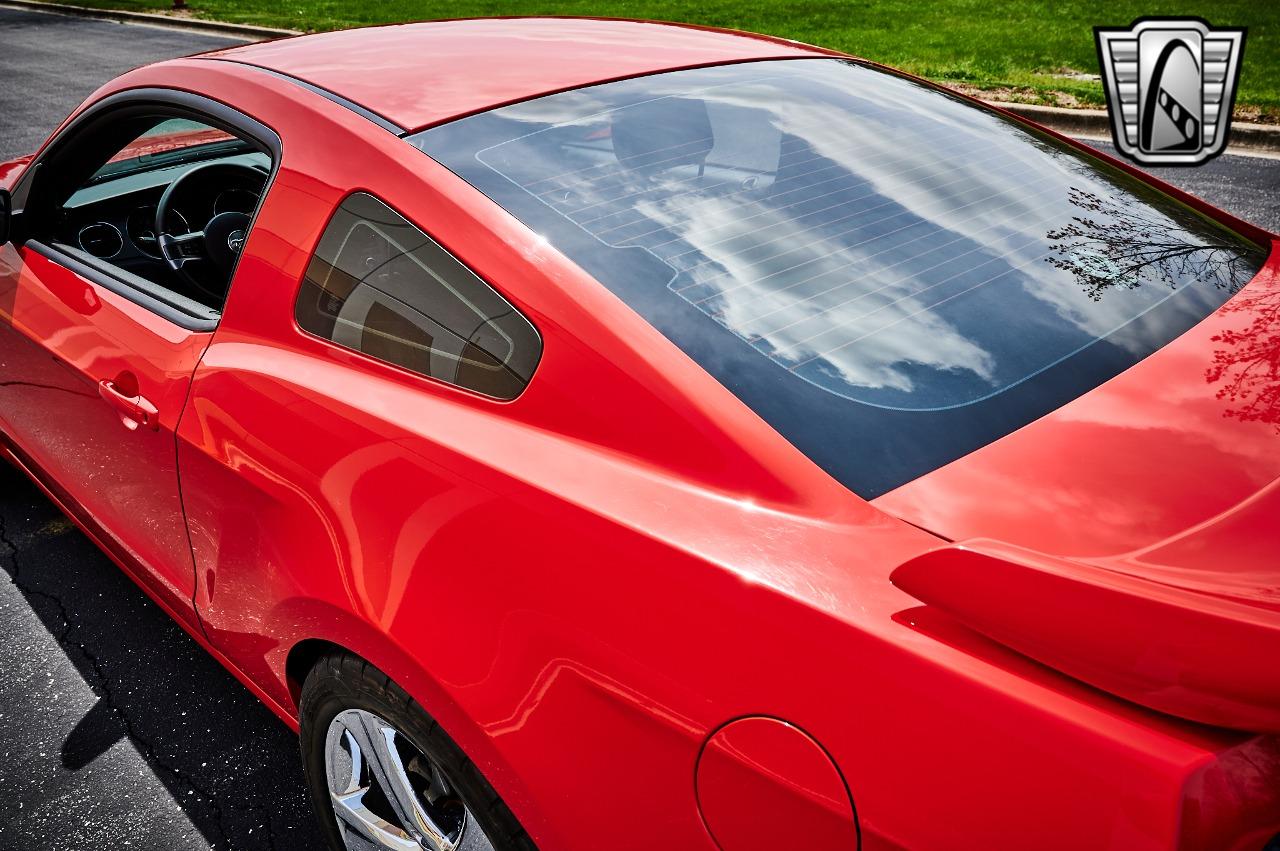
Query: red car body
(648, 618)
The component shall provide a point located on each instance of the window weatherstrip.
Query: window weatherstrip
(181, 311)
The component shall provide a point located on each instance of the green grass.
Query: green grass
(1021, 46)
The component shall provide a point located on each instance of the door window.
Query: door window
(159, 204)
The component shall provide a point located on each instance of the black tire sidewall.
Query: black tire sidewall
(343, 682)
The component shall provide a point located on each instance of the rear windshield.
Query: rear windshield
(888, 275)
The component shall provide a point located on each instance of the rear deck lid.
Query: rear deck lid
(1132, 537)
(1169, 463)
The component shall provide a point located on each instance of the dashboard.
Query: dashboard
(115, 219)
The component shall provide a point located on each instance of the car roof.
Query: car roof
(420, 74)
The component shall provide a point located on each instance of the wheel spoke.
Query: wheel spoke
(346, 769)
(378, 744)
(368, 767)
(361, 828)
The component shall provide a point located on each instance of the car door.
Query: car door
(97, 345)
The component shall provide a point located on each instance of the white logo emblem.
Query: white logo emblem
(1171, 84)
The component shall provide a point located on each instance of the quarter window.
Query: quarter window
(382, 287)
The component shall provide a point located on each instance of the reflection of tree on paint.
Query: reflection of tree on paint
(1248, 363)
(1122, 247)
(1115, 247)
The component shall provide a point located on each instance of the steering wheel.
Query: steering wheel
(217, 245)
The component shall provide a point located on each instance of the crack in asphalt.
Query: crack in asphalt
(103, 689)
(37, 386)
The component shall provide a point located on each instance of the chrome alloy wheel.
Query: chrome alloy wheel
(388, 795)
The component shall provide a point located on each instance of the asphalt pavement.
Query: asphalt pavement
(116, 730)
(50, 63)
(1245, 186)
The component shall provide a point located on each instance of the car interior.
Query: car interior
(156, 200)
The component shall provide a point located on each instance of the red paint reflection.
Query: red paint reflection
(1248, 363)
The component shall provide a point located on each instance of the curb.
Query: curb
(1092, 123)
(244, 31)
(1096, 123)
(1069, 122)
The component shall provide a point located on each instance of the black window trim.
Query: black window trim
(172, 306)
(431, 379)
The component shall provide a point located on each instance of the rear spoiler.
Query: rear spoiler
(1173, 649)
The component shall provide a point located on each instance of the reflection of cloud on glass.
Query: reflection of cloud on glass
(567, 108)
(818, 232)
(986, 187)
(765, 301)
(873, 241)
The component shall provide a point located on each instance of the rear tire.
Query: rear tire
(370, 751)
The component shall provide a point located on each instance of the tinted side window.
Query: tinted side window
(380, 286)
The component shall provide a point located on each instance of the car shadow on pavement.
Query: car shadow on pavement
(226, 761)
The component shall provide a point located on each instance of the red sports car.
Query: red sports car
(615, 435)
